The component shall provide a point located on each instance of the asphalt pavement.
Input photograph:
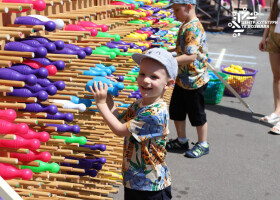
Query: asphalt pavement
(244, 158)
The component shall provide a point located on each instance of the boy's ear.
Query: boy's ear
(189, 6)
(169, 83)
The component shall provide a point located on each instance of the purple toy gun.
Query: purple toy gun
(101, 147)
(66, 128)
(34, 43)
(40, 52)
(26, 70)
(24, 92)
(10, 74)
(87, 50)
(58, 43)
(60, 85)
(27, 20)
(81, 54)
(60, 65)
(113, 45)
(64, 116)
(37, 107)
(51, 89)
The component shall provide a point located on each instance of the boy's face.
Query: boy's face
(152, 80)
(181, 11)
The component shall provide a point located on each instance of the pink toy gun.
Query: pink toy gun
(8, 171)
(38, 5)
(155, 20)
(164, 23)
(42, 136)
(19, 142)
(36, 65)
(8, 115)
(148, 13)
(144, 32)
(132, 6)
(73, 27)
(10, 128)
(85, 24)
(31, 156)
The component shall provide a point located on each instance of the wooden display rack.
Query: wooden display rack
(62, 185)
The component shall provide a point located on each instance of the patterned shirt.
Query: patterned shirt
(144, 151)
(191, 40)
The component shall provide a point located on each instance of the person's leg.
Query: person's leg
(177, 113)
(201, 147)
(166, 193)
(273, 47)
(202, 132)
(197, 118)
(180, 128)
(181, 142)
(275, 67)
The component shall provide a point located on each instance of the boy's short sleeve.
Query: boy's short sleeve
(192, 40)
(149, 123)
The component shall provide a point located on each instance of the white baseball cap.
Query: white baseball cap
(163, 57)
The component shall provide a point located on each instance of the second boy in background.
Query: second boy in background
(192, 79)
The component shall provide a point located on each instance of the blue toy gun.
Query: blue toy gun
(111, 90)
(78, 100)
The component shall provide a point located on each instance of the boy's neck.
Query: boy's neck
(150, 101)
(191, 18)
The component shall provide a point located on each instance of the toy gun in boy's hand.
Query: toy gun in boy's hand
(111, 90)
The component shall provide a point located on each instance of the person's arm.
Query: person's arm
(100, 96)
(186, 59)
(262, 45)
(113, 109)
(171, 49)
(109, 100)
(191, 49)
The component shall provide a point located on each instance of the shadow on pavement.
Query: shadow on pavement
(271, 133)
(177, 151)
(232, 112)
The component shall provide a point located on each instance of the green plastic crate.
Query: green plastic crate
(215, 90)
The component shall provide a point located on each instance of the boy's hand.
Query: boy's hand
(112, 79)
(99, 94)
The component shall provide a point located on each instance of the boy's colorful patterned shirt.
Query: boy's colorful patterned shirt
(192, 40)
(144, 151)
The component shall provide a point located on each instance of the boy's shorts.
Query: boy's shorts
(273, 41)
(130, 194)
(188, 102)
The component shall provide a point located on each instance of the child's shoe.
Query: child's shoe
(176, 145)
(197, 151)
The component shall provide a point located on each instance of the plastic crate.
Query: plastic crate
(241, 83)
(215, 89)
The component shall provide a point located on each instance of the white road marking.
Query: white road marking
(233, 55)
(220, 58)
(236, 61)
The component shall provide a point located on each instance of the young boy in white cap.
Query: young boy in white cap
(145, 127)
(191, 82)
